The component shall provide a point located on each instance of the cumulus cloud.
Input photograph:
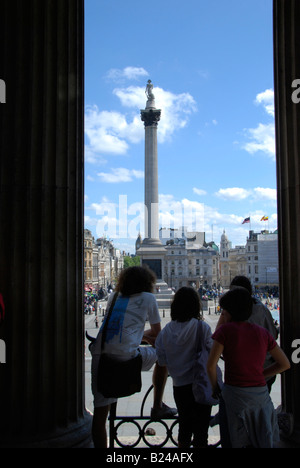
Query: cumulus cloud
(266, 193)
(199, 191)
(175, 108)
(104, 133)
(120, 174)
(127, 73)
(112, 132)
(266, 98)
(233, 193)
(237, 194)
(262, 138)
(124, 221)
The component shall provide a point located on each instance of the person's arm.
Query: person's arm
(211, 367)
(281, 363)
(151, 334)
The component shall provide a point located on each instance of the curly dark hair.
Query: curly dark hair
(186, 305)
(238, 302)
(136, 279)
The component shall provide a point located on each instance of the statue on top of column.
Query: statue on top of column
(149, 91)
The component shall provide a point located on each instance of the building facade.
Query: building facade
(258, 260)
(189, 260)
(102, 262)
(233, 261)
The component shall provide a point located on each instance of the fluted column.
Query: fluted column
(151, 117)
(287, 112)
(41, 224)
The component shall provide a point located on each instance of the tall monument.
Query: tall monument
(151, 250)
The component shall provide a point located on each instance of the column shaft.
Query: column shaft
(151, 183)
(287, 113)
(41, 223)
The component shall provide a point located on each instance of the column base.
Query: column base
(77, 435)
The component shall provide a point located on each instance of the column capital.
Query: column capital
(150, 117)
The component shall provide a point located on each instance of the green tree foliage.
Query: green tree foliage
(131, 261)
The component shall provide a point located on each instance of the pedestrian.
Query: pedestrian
(176, 347)
(252, 420)
(135, 304)
(260, 316)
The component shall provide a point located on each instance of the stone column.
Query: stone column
(151, 117)
(287, 115)
(41, 224)
(151, 251)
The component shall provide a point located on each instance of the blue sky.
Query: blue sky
(211, 64)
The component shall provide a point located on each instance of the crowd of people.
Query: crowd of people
(187, 350)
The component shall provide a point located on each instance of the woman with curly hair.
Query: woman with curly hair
(134, 305)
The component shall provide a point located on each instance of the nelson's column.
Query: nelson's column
(151, 251)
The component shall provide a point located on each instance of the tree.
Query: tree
(131, 261)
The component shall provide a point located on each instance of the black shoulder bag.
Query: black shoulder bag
(115, 378)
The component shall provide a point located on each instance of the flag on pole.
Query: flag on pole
(265, 218)
(246, 220)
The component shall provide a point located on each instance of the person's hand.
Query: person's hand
(150, 339)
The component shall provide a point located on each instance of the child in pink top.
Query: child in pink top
(244, 347)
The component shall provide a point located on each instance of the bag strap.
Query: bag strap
(107, 320)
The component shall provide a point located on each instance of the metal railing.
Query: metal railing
(142, 424)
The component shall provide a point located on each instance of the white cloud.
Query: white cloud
(262, 138)
(237, 194)
(123, 221)
(132, 96)
(120, 174)
(175, 108)
(128, 73)
(233, 193)
(266, 193)
(199, 191)
(266, 98)
(103, 131)
(111, 132)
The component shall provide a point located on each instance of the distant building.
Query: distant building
(190, 260)
(262, 253)
(233, 261)
(88, 260)
(102, 262)
(258, 260)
